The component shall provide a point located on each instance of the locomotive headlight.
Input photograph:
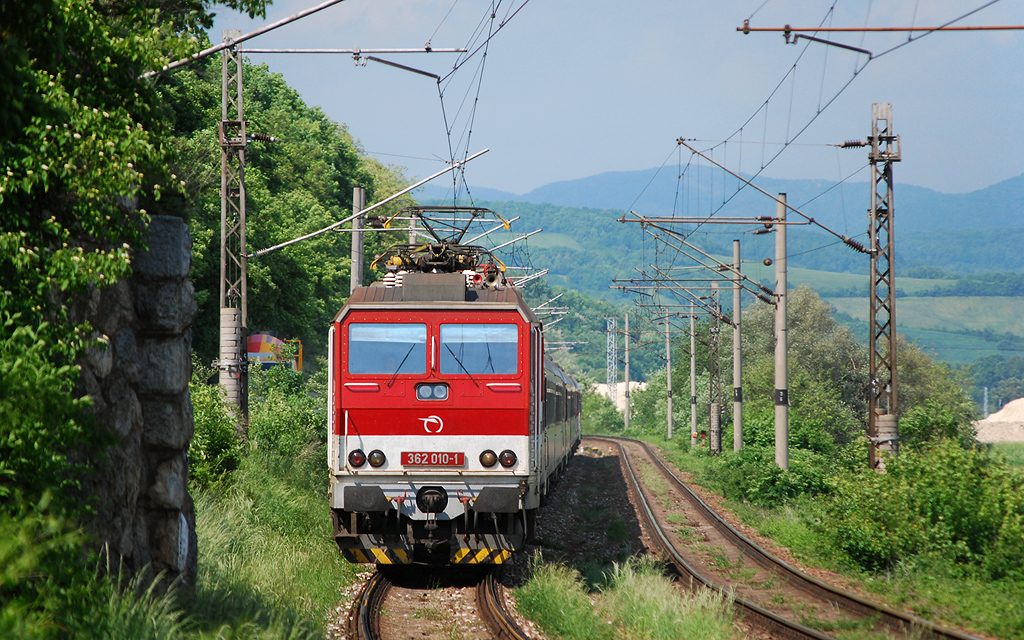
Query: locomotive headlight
(376, 458)
(488, 458)
(357, 458)
(508, 458)
(432, 392)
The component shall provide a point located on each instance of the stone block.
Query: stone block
(124, 414)
(168, 488)
(169, 252)
(169, 539)
(165, 306)
(114, 308)
(126, 354)
(100, 358)
(165, 365)
(168, 421)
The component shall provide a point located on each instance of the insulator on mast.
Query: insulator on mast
(850, 242)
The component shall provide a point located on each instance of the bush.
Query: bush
(752, 476)
(215, 449)
(287, 412)
(961, 504)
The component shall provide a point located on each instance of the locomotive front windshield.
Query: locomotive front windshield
(479, 349)
(387, 349)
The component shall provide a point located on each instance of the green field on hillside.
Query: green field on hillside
(827, 281)
(970, 313)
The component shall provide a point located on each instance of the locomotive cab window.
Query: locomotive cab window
(479, 349)
(387, 349)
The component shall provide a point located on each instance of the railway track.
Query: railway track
(771, 594)
(488, 605)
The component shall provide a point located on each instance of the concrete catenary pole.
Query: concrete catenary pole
(626, 376)
(693, 379)
(715, 376)
(737, 352)
(358, 204)
(668, 381)
(781, 340)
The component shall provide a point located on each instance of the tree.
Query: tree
(83, 143)
(297, 185)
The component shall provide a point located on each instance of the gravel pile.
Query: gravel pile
(1005, 425)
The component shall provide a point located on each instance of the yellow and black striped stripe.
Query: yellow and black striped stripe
(379, 556)
(480, 556)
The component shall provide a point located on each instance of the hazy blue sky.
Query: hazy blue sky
(573, 88)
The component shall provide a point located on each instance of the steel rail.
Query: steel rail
(364, 618)
(491, 605)
(896, 620)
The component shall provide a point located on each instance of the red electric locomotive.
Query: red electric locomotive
(447, 422)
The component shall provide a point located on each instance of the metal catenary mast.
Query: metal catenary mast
(882, 422)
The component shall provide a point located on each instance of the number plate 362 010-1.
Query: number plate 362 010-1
(432, 459)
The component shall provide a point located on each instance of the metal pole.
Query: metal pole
(781, 340)
(883, 429)
(231, 364)
(358, 204)
(693, 379)
(715, 377)
(626, 376)
(668, 380)
(737, 352)
(612, 361)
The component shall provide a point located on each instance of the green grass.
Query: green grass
(635, 600)
(267, 565)
(556, 600)
(1014, 452)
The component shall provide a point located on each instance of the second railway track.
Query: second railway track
(769, 593)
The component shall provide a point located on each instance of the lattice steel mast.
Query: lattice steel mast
(882, 422)
(612, 375)
(231, 365)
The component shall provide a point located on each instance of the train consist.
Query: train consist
(448, 423)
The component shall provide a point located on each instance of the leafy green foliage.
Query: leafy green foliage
(288, 411)
(215, 449)
(961, 504)
(599, 413)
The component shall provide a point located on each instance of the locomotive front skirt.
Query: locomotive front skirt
(447, 422)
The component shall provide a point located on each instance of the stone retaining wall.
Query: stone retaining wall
(139, 382)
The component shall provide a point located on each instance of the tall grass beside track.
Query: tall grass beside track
(633, 601)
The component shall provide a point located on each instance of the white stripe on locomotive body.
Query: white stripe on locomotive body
(333, 442)
(404, 481)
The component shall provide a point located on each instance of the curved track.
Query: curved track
(365, 621)
(804, 595)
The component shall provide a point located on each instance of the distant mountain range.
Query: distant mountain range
(840, 207)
